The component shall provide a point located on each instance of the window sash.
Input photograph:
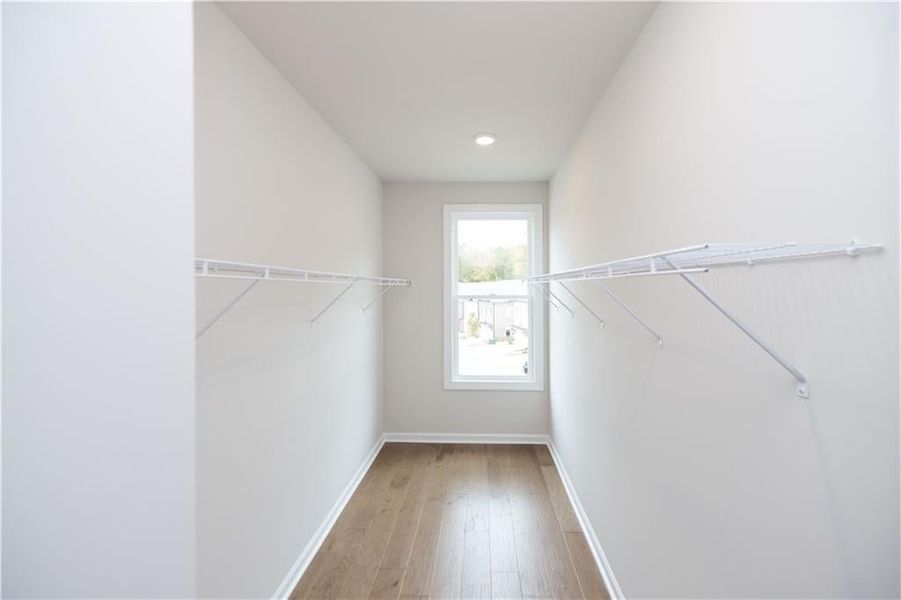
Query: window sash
(534, 380)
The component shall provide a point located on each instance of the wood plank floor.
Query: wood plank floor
(456, 521)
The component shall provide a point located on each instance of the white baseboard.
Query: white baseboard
(616, 593)
(306, 556)
(468, 438)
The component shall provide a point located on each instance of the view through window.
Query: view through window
(492, 299)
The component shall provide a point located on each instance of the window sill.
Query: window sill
(493, 386)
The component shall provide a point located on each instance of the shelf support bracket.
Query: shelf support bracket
(553, 303)
(802, 389)
(227, 308)
(632, 314)
(585, 306)
(376, 299)
(332, 303)
(554, 299)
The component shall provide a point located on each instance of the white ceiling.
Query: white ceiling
(407, 85)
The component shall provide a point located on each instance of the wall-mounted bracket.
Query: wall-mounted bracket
(376, 299)
(553, 303)
(332, 303)
(855, 248)
(553, 299)
(227, 308)
(802, 389)
(632, 314)
(585, 306)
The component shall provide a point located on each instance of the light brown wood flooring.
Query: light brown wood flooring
(456, 521)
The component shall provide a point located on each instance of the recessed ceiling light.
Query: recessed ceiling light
(484, 139)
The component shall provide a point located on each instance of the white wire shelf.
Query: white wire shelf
(205, 267)
(224, 269)
(699, 259)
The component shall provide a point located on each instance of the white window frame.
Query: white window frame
(534, 215)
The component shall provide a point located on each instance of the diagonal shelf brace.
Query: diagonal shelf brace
(332, 303)
(553, 299)
(802, 390)
(376, 299)
(585, 306)
(553, 303)
(632, 314)
(556, 305)
(227, 308)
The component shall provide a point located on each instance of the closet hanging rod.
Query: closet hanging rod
(223, 269)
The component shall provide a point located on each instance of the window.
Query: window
(494, 321)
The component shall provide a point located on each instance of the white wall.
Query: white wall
(286, 412)
(98, 294)
(415, 398)
(1, 306)
(702, 473)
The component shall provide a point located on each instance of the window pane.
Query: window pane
(492, 333)
(492, 257)
(493, 337)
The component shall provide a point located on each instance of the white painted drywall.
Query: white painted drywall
(415, 398)
(98, 295)
(286, 413)
(1, 305)
(702, 473)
